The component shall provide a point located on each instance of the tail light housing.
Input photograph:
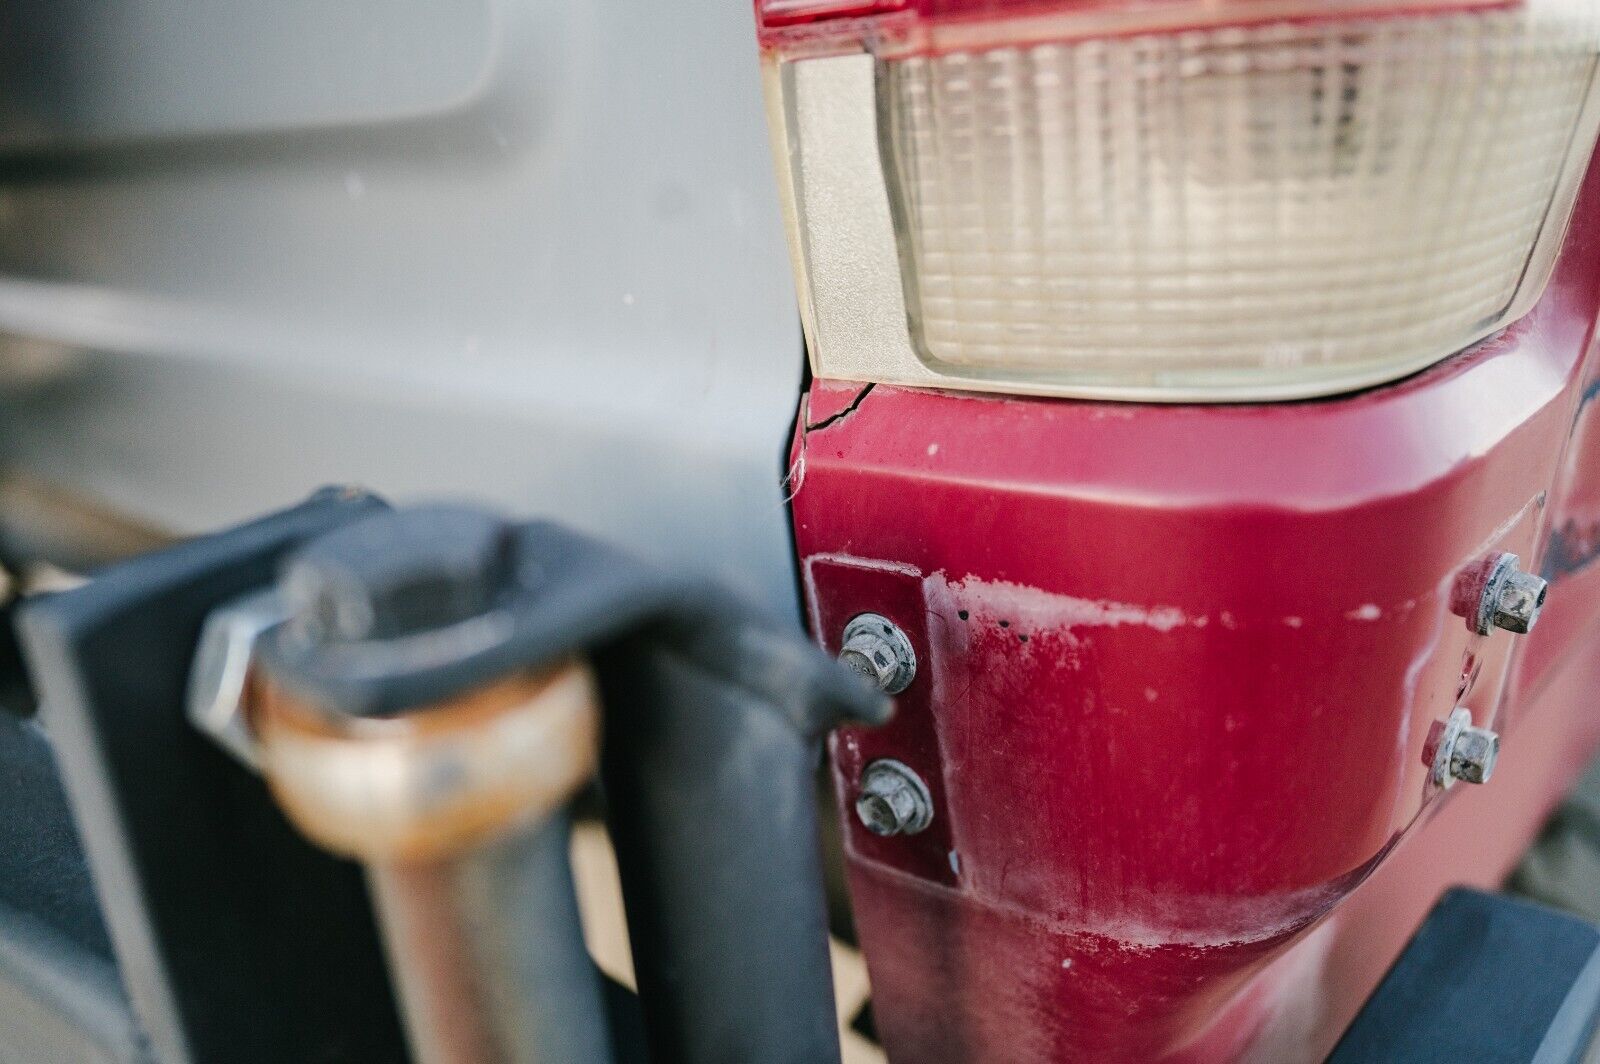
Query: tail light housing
(1172, 200)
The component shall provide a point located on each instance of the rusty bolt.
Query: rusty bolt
(1466, 752)
(1511, 598)
(893, 799)
(877, 649)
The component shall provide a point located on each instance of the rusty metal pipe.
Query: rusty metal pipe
(715, 716)
(457, 811)
(487, 953)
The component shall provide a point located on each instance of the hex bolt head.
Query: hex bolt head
(1476, 750)
(876, 648)
(1520, 598)
(394, 574)
(1511, 599)
(223, 659)
(893, 799)
(1466, 752)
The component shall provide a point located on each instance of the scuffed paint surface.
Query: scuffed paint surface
(1181, 670)
(1030, 607)
(1019, 672)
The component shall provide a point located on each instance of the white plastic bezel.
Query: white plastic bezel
(825, 118)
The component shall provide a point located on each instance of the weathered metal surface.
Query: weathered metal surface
(1465, 752)
(891, 799)
(1498, 594)
(418, 629)
(438, 780)
(880, 652)
(1184, 673)
(487, 955)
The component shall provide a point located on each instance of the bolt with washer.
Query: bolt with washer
(893, 799)
(875, 647)
(1511, 598)
(1466, 752)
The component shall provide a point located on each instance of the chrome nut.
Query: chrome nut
(893, 800)
(223, 659)
(877, 649)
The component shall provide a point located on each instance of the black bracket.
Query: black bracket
(239, 942)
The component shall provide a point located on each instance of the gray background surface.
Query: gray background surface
(520, 250)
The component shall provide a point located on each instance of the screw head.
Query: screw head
(1466, 752)
(880, 652)
(394, 574)
(893, 799)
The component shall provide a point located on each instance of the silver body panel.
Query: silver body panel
(515, 250)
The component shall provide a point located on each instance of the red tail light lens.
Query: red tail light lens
(1173, 199)
(936, 23)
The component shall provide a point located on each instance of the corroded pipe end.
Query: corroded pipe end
(437, 780)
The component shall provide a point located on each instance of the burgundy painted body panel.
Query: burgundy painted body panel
(1181, 673)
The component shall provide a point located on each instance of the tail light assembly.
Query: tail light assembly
(1191, 682)
(1172, 200)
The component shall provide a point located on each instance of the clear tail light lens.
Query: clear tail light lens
(1225, 206)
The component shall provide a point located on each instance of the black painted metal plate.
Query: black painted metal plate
(238, 942)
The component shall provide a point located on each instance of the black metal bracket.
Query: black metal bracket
(714, 715)
(236, 941)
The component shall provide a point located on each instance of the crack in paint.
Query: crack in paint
(833, 419)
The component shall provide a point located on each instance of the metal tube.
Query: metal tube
(457, 811)
(714, 721)
(489, 956)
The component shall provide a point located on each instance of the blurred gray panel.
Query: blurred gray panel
(565, 291)
(60, 1003)
(78, 72)
(1562, 868)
